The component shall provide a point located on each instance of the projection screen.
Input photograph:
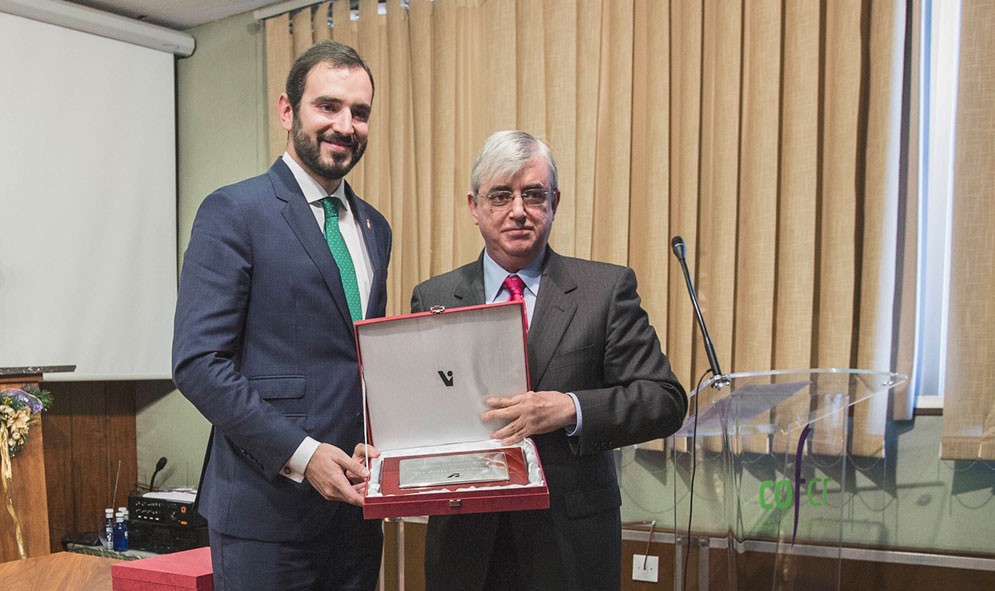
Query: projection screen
(87, 203)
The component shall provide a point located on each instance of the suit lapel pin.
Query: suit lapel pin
(369, 226)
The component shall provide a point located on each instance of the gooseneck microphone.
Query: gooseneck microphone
(158, 467)
(680, 251)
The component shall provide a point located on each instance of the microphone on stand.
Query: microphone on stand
(680, 251)
(158, 467)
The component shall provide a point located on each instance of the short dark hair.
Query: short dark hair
(330, 52)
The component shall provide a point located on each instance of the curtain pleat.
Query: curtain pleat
(903, 404)
(756, 222)
(449, 188)
(586, 75)
(562, 59)
(836, 224)
(713, 229)
(878, 245)
(419, 36)
(682, 348)
(767, 134)
(721, 150)
(303, 34)
(530, 90)
(797, 203)
(279, 57)
(610, 228)
(969, 398)
(321, 20)
(649, 242)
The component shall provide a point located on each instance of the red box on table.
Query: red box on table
(425, 379)
(189, 570)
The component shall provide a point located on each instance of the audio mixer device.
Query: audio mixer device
(165, 521)
(168, 507)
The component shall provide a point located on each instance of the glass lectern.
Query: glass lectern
(769, 451)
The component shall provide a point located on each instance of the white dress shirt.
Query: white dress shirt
(353, 236)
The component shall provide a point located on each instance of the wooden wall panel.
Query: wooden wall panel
(122, 440)
(89, 447)
(27, 496)
(58, 469)
(91, 430)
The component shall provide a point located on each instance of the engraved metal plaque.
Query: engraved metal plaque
(456, 469)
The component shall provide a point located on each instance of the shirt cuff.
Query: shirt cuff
(295, 466)
(574, 430)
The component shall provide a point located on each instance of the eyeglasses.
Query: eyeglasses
(530, 197)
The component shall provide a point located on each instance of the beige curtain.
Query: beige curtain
(766, 133)
(969, 394)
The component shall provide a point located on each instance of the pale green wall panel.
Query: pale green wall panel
(221, 139)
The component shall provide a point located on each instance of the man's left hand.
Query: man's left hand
(362, 454)
(532, 413)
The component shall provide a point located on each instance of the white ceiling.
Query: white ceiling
(176, 14)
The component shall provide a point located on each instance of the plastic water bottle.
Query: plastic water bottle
(107, 529)
(120, 534)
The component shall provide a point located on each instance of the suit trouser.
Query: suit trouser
(524, 551)
(345, 556)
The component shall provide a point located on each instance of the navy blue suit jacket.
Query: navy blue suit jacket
(264, 347)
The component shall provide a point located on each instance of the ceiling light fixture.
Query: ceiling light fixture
(97, 22)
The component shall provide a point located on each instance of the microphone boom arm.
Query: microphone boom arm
(720, 381)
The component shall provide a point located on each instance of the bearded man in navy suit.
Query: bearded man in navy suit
(599, 381)
(264, 344)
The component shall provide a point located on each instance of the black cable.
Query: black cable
(694, 466)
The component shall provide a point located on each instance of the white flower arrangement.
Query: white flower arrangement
(17, 407)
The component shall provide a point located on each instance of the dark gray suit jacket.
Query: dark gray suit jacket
(263, 346)
(589, 335)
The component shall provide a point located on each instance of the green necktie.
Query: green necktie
(336, 244)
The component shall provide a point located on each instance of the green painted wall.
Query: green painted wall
(910, 500)
(221, 137)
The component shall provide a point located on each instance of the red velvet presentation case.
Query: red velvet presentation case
(425, 379)
(189, 570)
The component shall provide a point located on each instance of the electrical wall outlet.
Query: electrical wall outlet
(645, 568)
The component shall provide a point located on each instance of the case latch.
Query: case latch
(455, 503)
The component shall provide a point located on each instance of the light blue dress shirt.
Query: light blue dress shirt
(494, 292)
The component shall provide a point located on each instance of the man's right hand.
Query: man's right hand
(327, 474)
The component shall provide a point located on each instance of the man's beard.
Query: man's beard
(309, 151)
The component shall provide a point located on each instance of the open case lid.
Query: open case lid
(426, 376)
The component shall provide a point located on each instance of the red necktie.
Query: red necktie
(515, 286)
